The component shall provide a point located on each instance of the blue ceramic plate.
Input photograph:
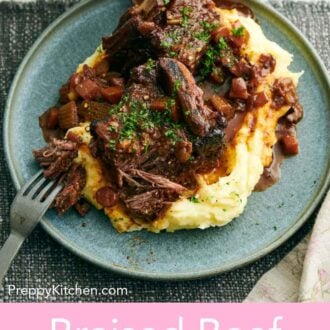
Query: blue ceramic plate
(270, 217)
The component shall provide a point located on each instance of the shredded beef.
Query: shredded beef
(57, 157)
(74, 183)
(150, 151)
(149, 203)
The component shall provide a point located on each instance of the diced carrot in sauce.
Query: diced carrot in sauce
(290, 145)
(68, 115)
(239, 89)
(112, 94)
(159, 105)
(52, 118)
(221, 32)
(91, 110)
(88, 89)
(222, 106)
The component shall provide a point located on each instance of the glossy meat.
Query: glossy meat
(57, 157)
(181, 83)
(154, 28)
(75, 182)
(149, 153)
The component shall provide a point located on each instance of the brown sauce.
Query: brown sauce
(272, 174)
(52, 131)
(234, 125)
(210, 88)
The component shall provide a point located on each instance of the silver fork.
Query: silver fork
(29, 205)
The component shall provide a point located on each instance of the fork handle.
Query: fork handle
(8, 253)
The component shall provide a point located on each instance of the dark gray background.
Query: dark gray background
(42, 263)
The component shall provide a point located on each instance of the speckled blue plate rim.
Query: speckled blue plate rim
(324, 81)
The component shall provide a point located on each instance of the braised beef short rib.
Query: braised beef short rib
(154, 28)
(152, 151)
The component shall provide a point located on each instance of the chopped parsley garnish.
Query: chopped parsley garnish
(208, 28)
(172, 134)
(208, 63)
(166, 2)
(238, 32)
(176, 87)
(203, 36)
(174, 35)
(194, 200)
(166, 44)
(139, 119)
(170, 38)
(112, 144)
(210, 56)
(222, 44)
(150, 64)
(112, 128)
(185, 11)
(170, 104)
(173, 54)
(118, 106)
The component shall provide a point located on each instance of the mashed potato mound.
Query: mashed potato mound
(224, 199)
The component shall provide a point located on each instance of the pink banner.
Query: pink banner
(164, 317)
